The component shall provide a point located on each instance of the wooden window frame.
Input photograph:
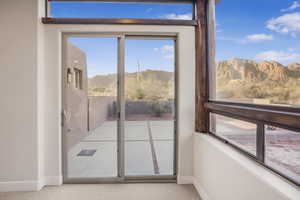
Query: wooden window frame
(125, 21)
(262, 115)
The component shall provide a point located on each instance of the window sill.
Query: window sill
(261, 173)
(247, 156)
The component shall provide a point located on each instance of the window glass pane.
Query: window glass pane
(237, 132)
(149, 107)
(283, 151)
(121, 10)
(90, 107)
(78, 78)
(257, 52)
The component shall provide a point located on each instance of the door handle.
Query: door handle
(66, 116)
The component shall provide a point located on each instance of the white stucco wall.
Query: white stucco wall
(19, 96)
(220, 172)
(52, 80)
(30, 104)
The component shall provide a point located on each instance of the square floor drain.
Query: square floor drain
(87, 152)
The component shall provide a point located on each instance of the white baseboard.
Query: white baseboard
(53, 180)
(22, 186)
(50, 181)
(203, 194)
(184, 180)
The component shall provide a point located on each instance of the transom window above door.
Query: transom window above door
(155, 9)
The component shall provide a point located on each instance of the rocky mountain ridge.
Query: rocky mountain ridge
(242, 69)
(247, 80)
(102, 81)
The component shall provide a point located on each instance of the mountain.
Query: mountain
(238, 69)
(294, 66)
(103, 81)
(245, 80)
(294, 70)
(248, 70)
(237, 79)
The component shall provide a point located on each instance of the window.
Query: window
(240, 133)
(254, 81)
(78, 78)
(257, 55)
(277, 148)
(182, 10)
(282, 151)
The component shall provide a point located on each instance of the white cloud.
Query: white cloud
(294, 6)
(258, 37)
(149, 10)
(284, 57)
(228, 39)
(291, 49)
(170, 56)
(186, 16)
(286, 24)
(218, 28)
(167, 51)
(255, 38)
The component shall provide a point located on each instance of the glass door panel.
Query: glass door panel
(90, 107)
(149, 93)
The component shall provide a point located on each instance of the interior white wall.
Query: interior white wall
(220, 172)
(18, 86)
(52, 79)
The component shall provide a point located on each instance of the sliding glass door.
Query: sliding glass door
(149, 106)
(118, 108)
(91, 105)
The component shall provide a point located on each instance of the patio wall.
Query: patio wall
(103, 108)
(221, 172)
(75, 99)
(100, 109)
(151, 108)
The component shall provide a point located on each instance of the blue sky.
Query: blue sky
(102, 54)
(259, 30)
(120, 10)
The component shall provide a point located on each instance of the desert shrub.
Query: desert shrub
(159, 108)
(254, 91)
(148, 88)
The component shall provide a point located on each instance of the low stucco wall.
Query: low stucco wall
(221, 173)
(100, 110)
(152, 108)
(104, 108)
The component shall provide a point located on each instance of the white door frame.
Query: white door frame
(122, 36)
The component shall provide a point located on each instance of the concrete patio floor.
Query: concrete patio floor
(149, 147)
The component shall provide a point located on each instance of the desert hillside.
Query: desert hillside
(246, 79)
(237, 79)
(106, 80)
(144, 85)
